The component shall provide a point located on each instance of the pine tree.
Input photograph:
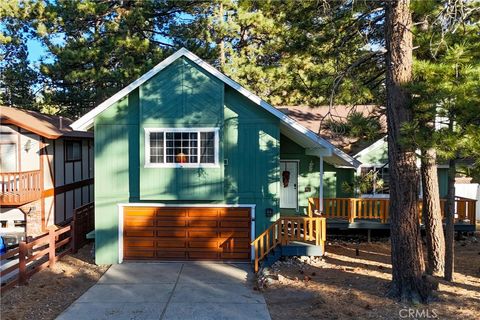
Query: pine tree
(408, 283)
(17, 77)
(446, 87)
(101, 46)
(17, 81)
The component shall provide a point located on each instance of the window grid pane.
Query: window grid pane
(207, 147)
(182, 147)
(156, 147)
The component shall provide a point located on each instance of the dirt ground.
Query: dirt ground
(52, 290)
(343, 285)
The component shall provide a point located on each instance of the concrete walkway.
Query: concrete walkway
(171, 291)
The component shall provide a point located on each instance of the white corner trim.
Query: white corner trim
(86, 122)
(216, 163)
(121, 206)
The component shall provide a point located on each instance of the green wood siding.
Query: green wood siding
(116, 171)
(252, 151)
(183, 96)
(309, 176)
(443, 182)
(378, 155)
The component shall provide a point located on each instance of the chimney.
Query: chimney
(61, 123)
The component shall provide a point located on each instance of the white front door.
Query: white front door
(288, 184)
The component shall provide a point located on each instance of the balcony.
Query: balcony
(19, 188)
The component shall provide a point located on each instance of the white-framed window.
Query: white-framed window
(377, 178)
(181, 147)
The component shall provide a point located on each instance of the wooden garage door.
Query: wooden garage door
(167, 233)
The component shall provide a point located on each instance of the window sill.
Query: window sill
(178, 166)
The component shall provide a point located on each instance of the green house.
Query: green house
(191, 165)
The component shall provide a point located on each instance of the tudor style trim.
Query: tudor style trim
(86, 122)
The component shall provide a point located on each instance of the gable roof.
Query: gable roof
(310, 138)
(316, 120)
(48, 126)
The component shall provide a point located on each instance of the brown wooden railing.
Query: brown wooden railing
(20, 187)
(287, 229)
(375, 208)
(20, 263)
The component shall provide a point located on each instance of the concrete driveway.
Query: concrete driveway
(171, 291)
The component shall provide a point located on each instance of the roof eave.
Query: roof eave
(87, 121)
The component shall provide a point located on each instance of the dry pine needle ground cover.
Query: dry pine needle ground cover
(340, 286)
(343, 285)
(52, 290)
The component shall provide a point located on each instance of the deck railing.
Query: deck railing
(287, 229)
(378, 208)
(20, 187)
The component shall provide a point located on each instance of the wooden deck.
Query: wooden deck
(19, 188)
(373, 213)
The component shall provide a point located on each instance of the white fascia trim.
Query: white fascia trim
(198, 205)
(216, 142)
(370, 148)
(86, 121)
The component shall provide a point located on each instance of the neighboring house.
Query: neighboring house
(46, 170)
(188, 163)
(374, 168)
(375, 159)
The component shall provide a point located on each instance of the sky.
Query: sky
(37, 51)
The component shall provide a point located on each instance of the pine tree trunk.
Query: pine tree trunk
(432, 214)
(408, 283)
(450, 222)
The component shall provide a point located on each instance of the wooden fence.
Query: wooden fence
(28, 258)
(83, 222)
(378, 208)
(20, 263)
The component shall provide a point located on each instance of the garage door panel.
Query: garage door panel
(202, 234)
(236, 234)
(234, 224)
(187, 233)
(202, 223)
(171, 243)
(235, 213)
(146, 212)
(140, 254)
(129, 222)
(140, 243)
(139, 233)
(172, 233)
(171, 212)
(172, 223)
(203, 212)
(234, 243)
(204, 244)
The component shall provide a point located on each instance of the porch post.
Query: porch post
(320, 191)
